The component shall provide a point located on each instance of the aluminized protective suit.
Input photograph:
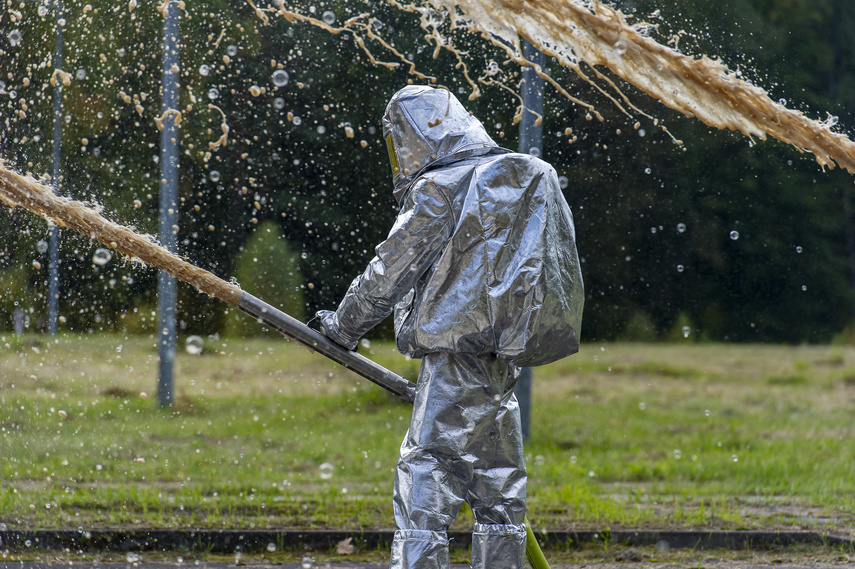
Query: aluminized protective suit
(482, 272)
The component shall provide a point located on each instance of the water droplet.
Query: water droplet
(677, 453)
(620, 47)
(278, 103)
(213, 93)
(681, 228)
(642, 405)
(647, 170)
(194, 345)
(280, 77)
(14, 37)
(271, 547)
(680, 268)
(534, 151)
(214, 175)
(734, 458)
(321, 129)
(232, 50)
(307, 562)
(782, 101)
(563, 182)
(102, 256)
(328, 18)
(830, 121)
(734, 235)
(798, 249)
(325, 471)
(642, 132)
(132, 557)
(43, 11)
(365, 343)
(804, 287)
(42, 246)
(204, 70)
(686, 331)
(297, 121)
(81, 74)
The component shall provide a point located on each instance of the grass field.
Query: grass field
(265, 435)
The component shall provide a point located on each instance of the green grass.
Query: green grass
(624, 435)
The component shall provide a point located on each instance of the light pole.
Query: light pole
(53, 255)
(167, 284)
(530, 142)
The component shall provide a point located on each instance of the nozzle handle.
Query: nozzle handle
(314, 340)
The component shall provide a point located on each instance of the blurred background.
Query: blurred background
(720, 239)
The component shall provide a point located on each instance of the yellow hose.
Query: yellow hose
(532, 549)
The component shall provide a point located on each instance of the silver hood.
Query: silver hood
(427, 124)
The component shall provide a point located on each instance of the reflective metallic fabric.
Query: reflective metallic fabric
(504, 542)
(464, 444)
(420, 549)
(482, 257)
(482, 272)
(426, 124)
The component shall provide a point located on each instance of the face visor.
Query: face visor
(393, 156)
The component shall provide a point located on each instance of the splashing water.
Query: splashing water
(194, 345)
(24, 191)
(14, 37)
(280, 77)
(590, 32)
(325, 471)
(101, 256)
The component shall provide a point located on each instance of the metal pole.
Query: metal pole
(53, 256)
(531, 142)
(167, 284)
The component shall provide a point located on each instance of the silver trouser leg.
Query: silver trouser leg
(463, 443)
(498, 546)
(420, 549)
(497, 492)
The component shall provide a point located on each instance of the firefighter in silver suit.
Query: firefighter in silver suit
(482, 273)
